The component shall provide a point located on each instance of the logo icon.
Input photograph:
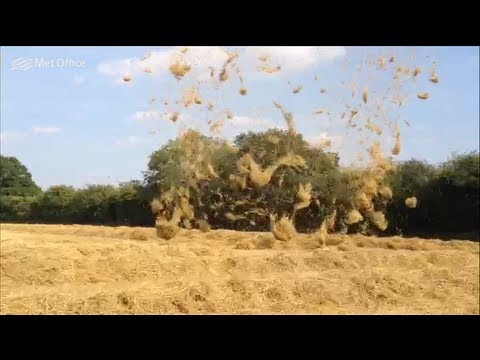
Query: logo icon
(22, 64)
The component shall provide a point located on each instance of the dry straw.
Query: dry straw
(297, 89)
(411, 202)
(282, 229)
(179, 69)
(423, 95)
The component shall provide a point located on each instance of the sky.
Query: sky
(77, 122)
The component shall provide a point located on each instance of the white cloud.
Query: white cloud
(9, 136)
(130, 140)
(323, 138)
(202, 58)
(244, 122)
(158, 63)
(297, 58)
(181, 118)
(79, 80)
(231, 127)
(116, 67)
(205, 56)
(12, 136)
(146, 115)
(45, 130)
(318, 140)
(241, 124)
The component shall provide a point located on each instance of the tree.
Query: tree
(462, 170)
(412, 178)
(15, 179)
(448, 196)
(215, 198)
(132, 206)
(56, 205)
(95, 204)
(17, 208)
(457, 210)
(321, 171)
(18, 192)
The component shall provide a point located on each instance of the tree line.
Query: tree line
(447, 193)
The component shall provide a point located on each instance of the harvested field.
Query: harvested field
(74, 269)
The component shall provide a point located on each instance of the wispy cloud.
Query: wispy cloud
(9, 136)
(242, 124)
(157, 64)
(246, 123)
(146, 115)
(45, 130)
(182, 117)
(323, 138)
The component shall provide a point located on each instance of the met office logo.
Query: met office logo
(24, 64)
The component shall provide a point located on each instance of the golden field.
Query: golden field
(74, 269)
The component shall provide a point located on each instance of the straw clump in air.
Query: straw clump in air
(282, 229)
(411, 202)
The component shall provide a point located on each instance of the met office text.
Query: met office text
(59, 63)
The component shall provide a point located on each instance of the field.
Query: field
(63, 269)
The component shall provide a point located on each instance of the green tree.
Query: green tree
(412, 178)
(15, 179)
(456, 209)
(132, 206)
(279, 195)
(215, 198)
(56, 205)
(462, 170)
(447, 196)
(17, 208)
(18, 192)
(95, 204)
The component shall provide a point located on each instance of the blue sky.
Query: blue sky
(78, 125)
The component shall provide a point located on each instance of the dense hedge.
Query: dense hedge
(97, 204)
(447, 193)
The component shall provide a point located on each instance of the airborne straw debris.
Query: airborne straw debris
(386, 192)
(378, 218)
(179, 69)
(256, 171)
(304, 196)
(354, 217)
(174, 117)
(282, 229)
(297, 89)
(423, 95)
(398, 143)
(224, 75)
(270, 69)
(411, 202)
(365, 95)
(382, 63)
(434, 78)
